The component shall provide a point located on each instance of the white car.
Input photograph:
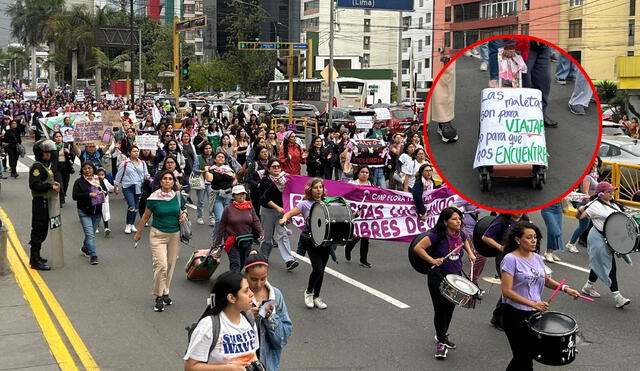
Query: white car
(620, 151)
(253, 109)
(226, 110)
(200, 103)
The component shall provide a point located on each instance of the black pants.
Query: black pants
(364, 247)
(519, 337)
(539, 73)
(319, 256)
(593, 277)
(442, 307)
(65, 174)
(12, 151)
(39, 224)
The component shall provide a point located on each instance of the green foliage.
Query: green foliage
(214, 75)
(606, 90)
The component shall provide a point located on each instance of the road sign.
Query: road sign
(256, 45)
(325, 74)
(115, 36)
(192, 24)
(398, 5)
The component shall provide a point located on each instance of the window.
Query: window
(500, 8)
(525, 4)
(447, 14)
(575, 2)
(419, 67)
(427, 40)
(405, 67)
(524, 29)
(632, 8)
(406, 23)
(312, 5)
(366, 42)
(366, 60)
(447, 39)
(630, 53)
(367, 25)
(632, 32)
(419, 45)
(421, 3)
(427, 18)
(420, 23)
(406, 43)
(309, 23)
(575, 29)
(427, 63)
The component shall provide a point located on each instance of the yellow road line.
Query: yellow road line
(74, 339)
(49, 330)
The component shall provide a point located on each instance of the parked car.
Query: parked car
(226, 110)
(200, 103)
(419, 103)
(300, 110)
(253, 108)
(401, 118)
(620, 151)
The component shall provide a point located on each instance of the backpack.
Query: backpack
(215, 329)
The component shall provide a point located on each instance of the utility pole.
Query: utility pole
(133, 50)
(290, 73)
(332, 10)
(176, 62)
(399, 76)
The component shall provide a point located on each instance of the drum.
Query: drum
(459, 290)
(622, 233)
(478, 231)
(419, 264)
(554, 338)
(330, 222)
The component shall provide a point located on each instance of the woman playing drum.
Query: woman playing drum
(523, 278)
(601, 259)
(445, 237)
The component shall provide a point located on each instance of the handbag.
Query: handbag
(196, 181)
(20, 149)
(185, 227)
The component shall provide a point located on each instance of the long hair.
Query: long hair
(164, 163)
(309, 187)
(445, 215)
(518, 231)
(227, 283)
(421, 170)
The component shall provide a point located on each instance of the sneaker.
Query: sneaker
(448, 343)
(365, 264)
(133, 228)
(212, 223)
(571, 248)
(447, 132)
(561, 81)
(97, 230)
(166, 299)
(467, 53)
(621, 301)
(589, 290)
(127, 229)
(107, 232)
(555, 258)
(308, 299)
(292, 264)
(159, 307)
(549, 123)
(85, 252)
(319, 303)
(483, 66)
(493, 84)
(441, 351)
(548, 257)
(495, 323)
(94, 260)
(576, 109)
(200, 221)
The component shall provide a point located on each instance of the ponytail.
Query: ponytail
(227, 283)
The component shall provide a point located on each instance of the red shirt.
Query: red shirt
(291, 164)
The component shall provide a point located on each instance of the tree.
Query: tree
(214, 75)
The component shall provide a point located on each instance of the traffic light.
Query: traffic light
(247, 45)
(281, 66)
(185, 69)
(299, 65)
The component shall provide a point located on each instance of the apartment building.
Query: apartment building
(192, 9)
(417, 35)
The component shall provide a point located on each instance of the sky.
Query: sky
(4, 24)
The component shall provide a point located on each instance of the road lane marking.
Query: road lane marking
(573, 267)
(49, 331)
(72, 335)
(359, 285)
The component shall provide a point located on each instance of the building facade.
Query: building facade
(193, 9)
(417, 51)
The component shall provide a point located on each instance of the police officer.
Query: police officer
(41, 182)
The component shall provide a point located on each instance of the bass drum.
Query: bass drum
(331, 223)
(420, 265)
(622, 232)
(553, 338)
(479, 230)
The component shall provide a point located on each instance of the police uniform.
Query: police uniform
(41, 181)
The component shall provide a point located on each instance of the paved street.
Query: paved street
(110, 306)
(571, 145)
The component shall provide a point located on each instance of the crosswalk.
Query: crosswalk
(23, 166)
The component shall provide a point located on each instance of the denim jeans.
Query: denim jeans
(89, 225)
(219, 203)
(565, 68)
(133, 199)
(494, 45)
(484, 52)
(583, 224)
(238, 254)
(582, 93)
(202, 195)
(552, 216)
(378, 177)
(273, 231)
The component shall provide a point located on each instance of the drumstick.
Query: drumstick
(366, 193)
(585, 298)
(471, 278)
(555, 292)
(449, 254)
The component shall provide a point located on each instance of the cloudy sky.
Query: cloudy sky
(4, 24)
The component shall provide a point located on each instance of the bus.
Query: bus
(349, 92)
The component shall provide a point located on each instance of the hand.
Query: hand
(423, 217)
(542, 306)
(93, 194)
(137, 236)
(472, 258)
(282, 221)
(281, 211)
(508, 53)
(66, 150)
(438, 262)
(255, 311)
(56, 187)
(269, 310)
(261, 238)
(116, 189)
(571, 292)
(183, 217)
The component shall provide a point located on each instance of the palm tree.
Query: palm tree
(29, 24)
(102, 62)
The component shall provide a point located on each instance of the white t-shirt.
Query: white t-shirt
(235, 344)
(598, 212)
(411, 168)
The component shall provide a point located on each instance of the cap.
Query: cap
(238, 189)
(605, 187)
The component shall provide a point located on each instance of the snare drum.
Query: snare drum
(554, 338)
(330, 222)
(622, 233)
(459, 290)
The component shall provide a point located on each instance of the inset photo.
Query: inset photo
(513, 126)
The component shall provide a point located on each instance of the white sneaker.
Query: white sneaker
(133, 228)
(548, 257)
(483, 66)
(555, 258)
(621, 301)
(97, 230)
(127, 229)
(212, 223)
(571, 248)
(200, 221)
(107, 232)
(589, 290)
(308, 299)
(319, 303)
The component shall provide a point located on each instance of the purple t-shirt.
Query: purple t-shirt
(528, 278)
(440, 248)
(498, 231)
(305, 207)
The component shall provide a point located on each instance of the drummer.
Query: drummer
(446, 236)
(314, 191)
(523, 278)
(601, 259)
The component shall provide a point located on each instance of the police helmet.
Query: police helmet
(42, 146)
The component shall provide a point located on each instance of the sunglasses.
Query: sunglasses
(275, 166)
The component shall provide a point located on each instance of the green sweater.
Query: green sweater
(166, 214)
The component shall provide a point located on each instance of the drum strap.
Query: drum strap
(328, 200)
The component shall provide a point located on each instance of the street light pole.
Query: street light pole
(133, 50)
(332, 11)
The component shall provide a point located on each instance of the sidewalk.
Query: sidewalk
(21, 340)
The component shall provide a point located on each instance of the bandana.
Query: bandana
(59, 146)
(246, 205)
(280, 181)
(455, 240)
(162, 196)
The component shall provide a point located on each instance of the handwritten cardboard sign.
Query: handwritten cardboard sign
(147, 141)
(368, 152)
(382, 113)
(92, 132)
(30, 95)
(364, 122)
(113, 117)
(511, 128)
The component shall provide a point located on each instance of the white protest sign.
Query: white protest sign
(147, 141)
(511, 128)
(80, 96)
(111, 97)
(382, 113)
(364, 122)
(30, 95)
